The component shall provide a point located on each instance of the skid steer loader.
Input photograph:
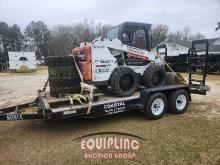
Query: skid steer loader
(122, 60)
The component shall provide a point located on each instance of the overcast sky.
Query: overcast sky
(201, 15)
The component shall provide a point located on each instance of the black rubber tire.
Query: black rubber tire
(148, 111)
(63, 75)
(56, 91)
(154, 76)
(63, 81)
(102, 87)
(125, 76)
(172, 101)
(56, 61)
(69, 71)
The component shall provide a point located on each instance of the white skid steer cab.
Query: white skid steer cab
(122, 60)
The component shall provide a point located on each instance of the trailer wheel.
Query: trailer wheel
(123, 81)
(68, 71)
(155, 106)
(63, 81)
(56, 61)
(101, 87)
(63, 75)
(153, 76)
(56, 91)
(178, 101)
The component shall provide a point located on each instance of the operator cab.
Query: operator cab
(132, 33)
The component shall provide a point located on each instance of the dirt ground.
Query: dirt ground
(190, 138)
(18, 88)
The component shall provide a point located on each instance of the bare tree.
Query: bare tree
(101, 29)
(197, 36)
(186, 33)
(170, 37)
(175, 37)
(64, 38)
(159, 34)
(218, 26)
(184, 36)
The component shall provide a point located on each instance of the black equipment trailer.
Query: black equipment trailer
(153, 103)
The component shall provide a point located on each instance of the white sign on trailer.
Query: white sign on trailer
(17, 60)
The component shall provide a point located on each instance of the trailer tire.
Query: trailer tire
(178, 101)
(153, 76)
(56, 61)
(60, 71)
(101, 87)
(123, 81)
(155, 106)
(63, 81)
(63, 75)
(68, 71)
(56, 91)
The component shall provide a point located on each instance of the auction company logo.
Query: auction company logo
(109, 145)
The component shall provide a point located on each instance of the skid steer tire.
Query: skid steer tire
(124, 82)
(63, 81)
(56, 91)
(102, 87)
(56, 61)
(153, 76)
(68, 71)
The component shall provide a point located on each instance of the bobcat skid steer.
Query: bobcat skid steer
(122, 60)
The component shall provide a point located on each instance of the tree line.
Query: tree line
(160, 33)
(60, 39)
(65, 37)
(57, 41)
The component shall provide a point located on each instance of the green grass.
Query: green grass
(174, 139)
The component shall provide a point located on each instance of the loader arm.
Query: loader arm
(131, 51)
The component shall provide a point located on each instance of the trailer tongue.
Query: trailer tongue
(16, 113)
